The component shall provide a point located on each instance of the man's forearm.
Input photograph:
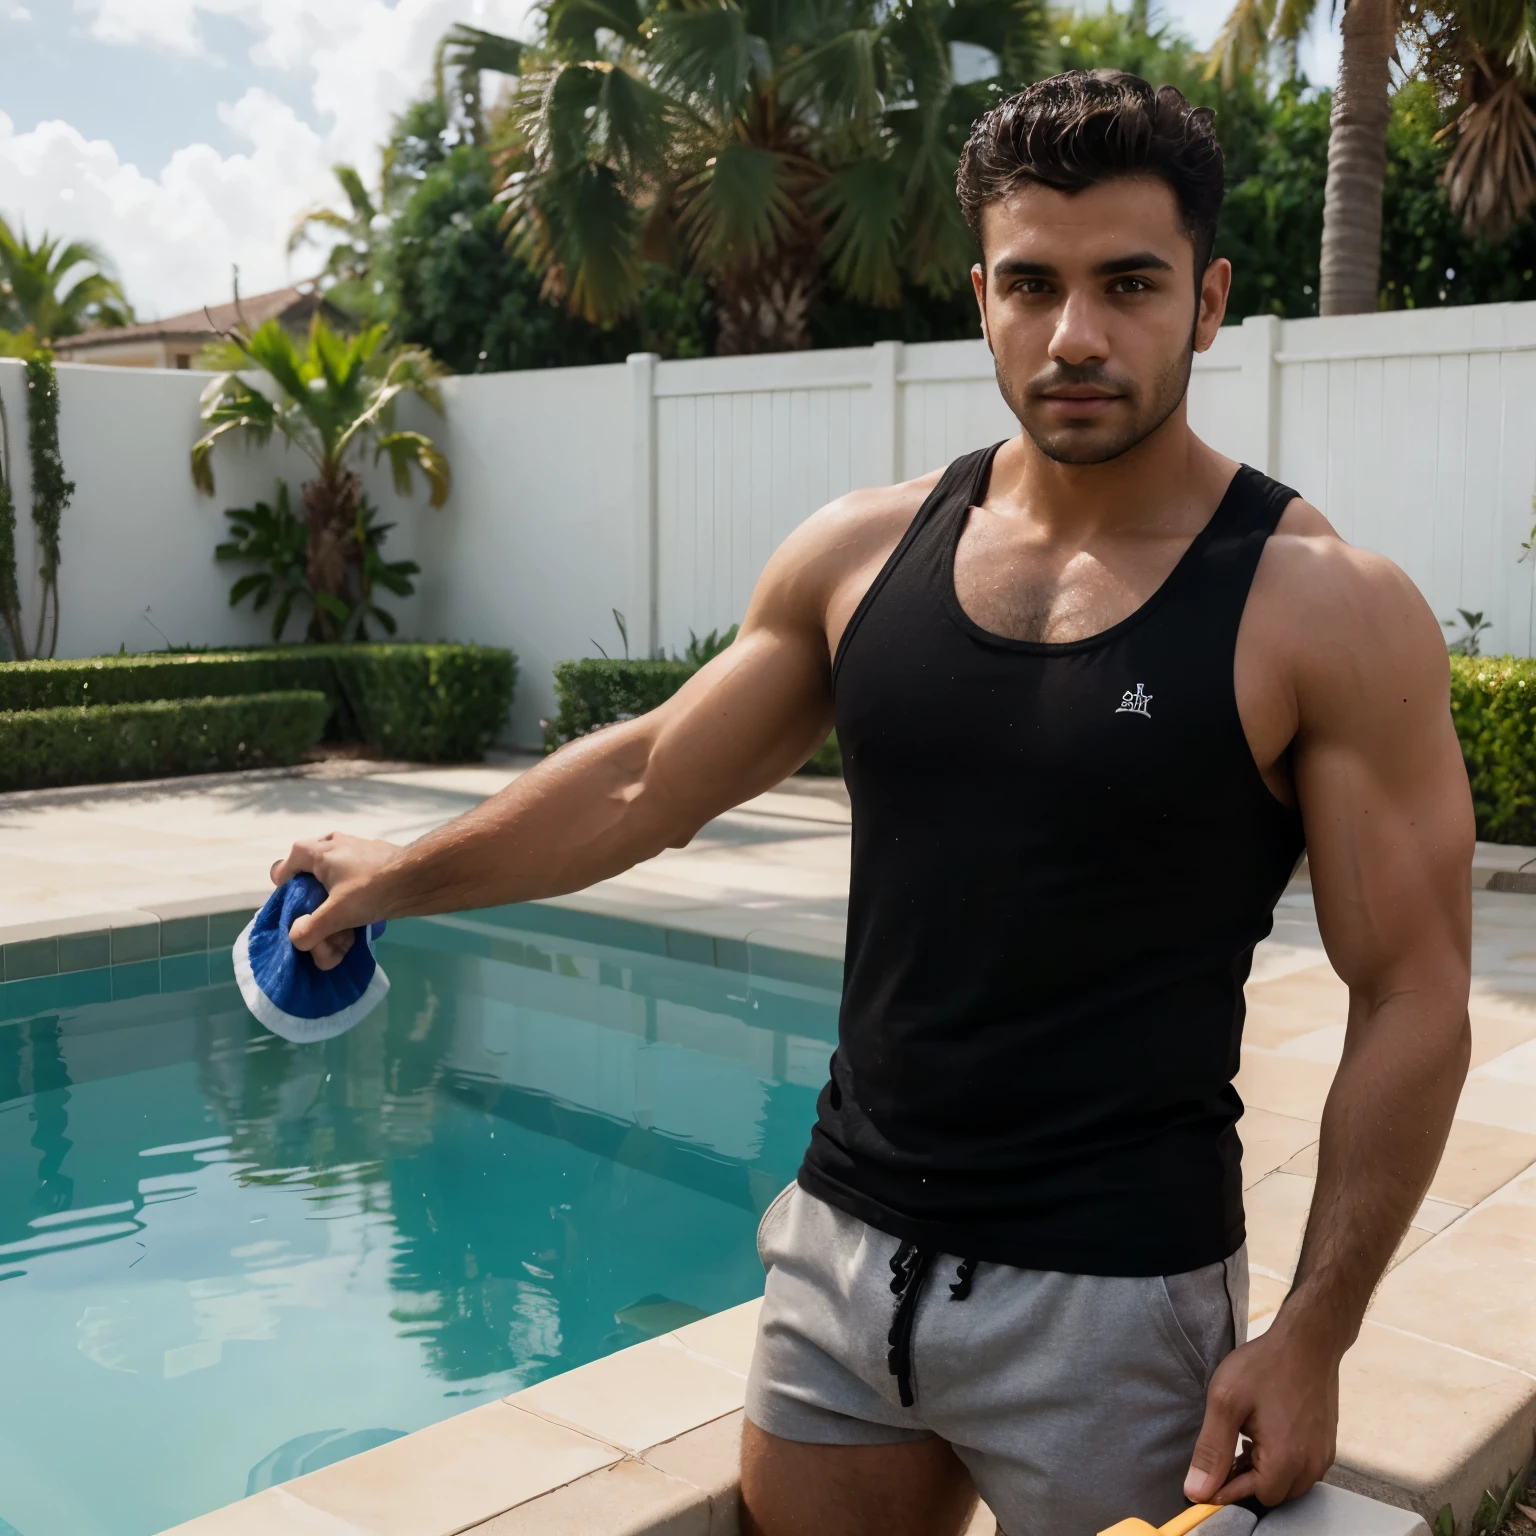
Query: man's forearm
(1384, 1127)
(575, 819)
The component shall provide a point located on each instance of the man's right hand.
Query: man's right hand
(348, 867)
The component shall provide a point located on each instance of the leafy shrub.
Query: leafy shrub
(98, 745)
(1493, 705)
(427, 703)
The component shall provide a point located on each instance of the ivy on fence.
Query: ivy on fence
(10, 601)
(51, 493)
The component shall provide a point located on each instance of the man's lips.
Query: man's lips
(1079, 404)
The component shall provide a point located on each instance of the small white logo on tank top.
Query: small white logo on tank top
(1135, 703)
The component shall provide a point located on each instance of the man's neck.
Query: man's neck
(1168, 484)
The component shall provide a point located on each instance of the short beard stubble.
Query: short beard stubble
(1062, 445)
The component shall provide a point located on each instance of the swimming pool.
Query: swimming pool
(226, 1260)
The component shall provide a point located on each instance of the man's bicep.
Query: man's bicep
(759, 709)
(1383, 792)
(764, 705)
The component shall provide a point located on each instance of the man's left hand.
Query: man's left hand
(1282, 1391)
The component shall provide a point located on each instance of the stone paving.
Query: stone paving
(1438, 1395)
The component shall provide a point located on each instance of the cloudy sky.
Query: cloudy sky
(183, 135)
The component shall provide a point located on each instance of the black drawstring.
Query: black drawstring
(909, 1269)
(963, 1277)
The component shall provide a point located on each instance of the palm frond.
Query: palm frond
(741, 205)
(1243, 39)
(471, 48)
(844, 79)
(229, 405)
(272, 349)
(1015, 32)
(864, 201)
(630, 123)
(363, 210)
(574, 25)
(406, 450)
(706, 55)
(323, 218)
(1490, 178)
(598, 244)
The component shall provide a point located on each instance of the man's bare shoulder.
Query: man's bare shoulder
(1347, 622)
(836, 545)
(872, 516)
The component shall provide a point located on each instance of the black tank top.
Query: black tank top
(1063, 856)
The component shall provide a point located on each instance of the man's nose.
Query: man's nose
(1080, 335)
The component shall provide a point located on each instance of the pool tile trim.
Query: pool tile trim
(174, 930)
(111, 956)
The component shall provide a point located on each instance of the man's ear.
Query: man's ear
(1215, 286)
(979, 288)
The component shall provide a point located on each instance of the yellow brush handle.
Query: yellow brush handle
(1189, 1519)
(1175, 1527)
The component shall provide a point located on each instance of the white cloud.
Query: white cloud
(170, 24)
(12, 10)
(175, 235)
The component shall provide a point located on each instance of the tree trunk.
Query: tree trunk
(1357, 160)
(330, 507)
(767, 307)
(763, 316)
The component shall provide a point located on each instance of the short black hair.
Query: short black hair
(1088, 126)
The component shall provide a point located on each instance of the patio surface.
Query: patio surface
(1438, 1395)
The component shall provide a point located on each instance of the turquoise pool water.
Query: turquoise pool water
(226, 1260)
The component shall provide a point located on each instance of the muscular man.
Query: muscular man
(1096, 687)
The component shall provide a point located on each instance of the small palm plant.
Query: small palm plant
(332, 398)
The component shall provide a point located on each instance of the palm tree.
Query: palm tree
(44, 292)
(748, 140)
(1480, 51)
(331, 398)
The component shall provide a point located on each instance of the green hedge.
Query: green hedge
(597, 691)
(100, 744)
(1493, 703)
(426, 703)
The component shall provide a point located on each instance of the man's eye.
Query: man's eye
(1130, 285)
(1033, 285)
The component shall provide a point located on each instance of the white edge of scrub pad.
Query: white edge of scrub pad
(303, 1031)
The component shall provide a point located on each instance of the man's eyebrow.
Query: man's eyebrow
(1018, 267)
(1140, 261)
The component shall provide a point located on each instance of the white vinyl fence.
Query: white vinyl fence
(660, 488)
(1414, 432)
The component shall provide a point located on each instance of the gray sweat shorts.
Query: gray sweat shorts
(1074, 1400)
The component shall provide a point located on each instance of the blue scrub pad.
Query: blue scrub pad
(284, 987)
